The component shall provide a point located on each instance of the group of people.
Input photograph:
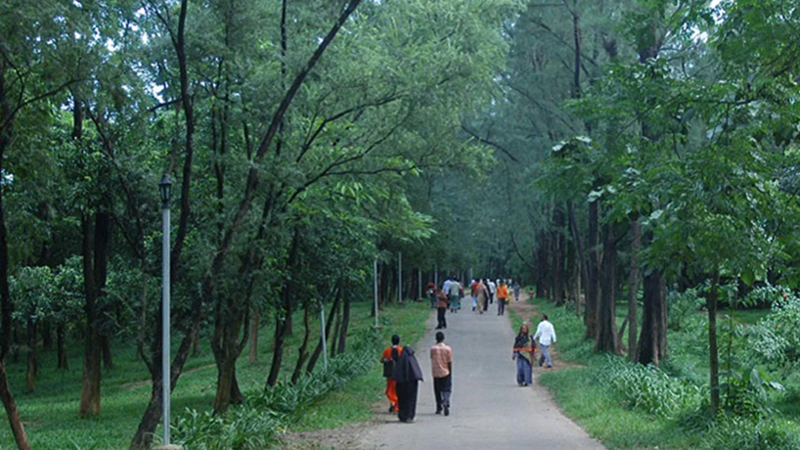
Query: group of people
(401, 368)
(402, 372)
(483, 293)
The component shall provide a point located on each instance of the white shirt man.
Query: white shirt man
(546, 335)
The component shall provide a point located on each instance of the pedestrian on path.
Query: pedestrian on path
(516, 291)
(474, 286)
(524, 348)
(430, 289)
(408, 375)
(390, 355)
(502, 296)
(492, 290)
(454, 291)
(483, 296)
(441, 310)
(442, 371)
(546, 335)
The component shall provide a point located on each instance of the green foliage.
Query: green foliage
(648, 388)
(683, 308)
(256, 423)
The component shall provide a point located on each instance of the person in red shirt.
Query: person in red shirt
(474, 287)
(390, 355)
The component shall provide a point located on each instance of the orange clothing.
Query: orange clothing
(391, 385)
(502, 291)
(391, 392)
(387, 353)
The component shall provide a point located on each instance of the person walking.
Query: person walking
(407, 374)
(388, 358)
(442, 371)
(441, 310)
(430, 289)
(492, 290)
(546, 335)
(474, 286)
(454, 291)
(483, 296)
(523, 355)
(516, 290)
(502, 296)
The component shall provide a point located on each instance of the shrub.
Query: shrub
(743, 434)
(649, 388)
(256, 423)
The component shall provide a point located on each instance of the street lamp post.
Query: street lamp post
(166, 189)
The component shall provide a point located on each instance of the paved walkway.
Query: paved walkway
(488, 409)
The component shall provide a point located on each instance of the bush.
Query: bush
(649, 388)
(743, 434)
(683, 307)
(264, 415)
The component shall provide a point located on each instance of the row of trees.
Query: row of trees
(658, 143)
(304, 139)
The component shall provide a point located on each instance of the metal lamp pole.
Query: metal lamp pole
(165, 187)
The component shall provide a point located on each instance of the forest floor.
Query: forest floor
(489, 410)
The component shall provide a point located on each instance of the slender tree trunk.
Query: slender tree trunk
(345, 322)
(253, 354)
(633, 287)
(281, 317)
(302, 351)
(17, 429)
(30, 379)
(607, 337)
(593, 285)
(108, 361)
(61, 352)
(542, 265)
(47, 335)
(558, 255)
(712, 343)
(92, 239)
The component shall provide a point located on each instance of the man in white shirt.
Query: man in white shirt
(546, 335)
(492, 289)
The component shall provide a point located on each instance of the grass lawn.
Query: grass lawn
(50, 413)
(587, 400)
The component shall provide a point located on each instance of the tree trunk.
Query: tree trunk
(94, 272)
(558, 255)
(712, 343)
(143, 438)
(108, 361)
(649, 349)
(61, 352)
(252, 357)
(345, 323)
(30, 379)
(633, 287)
(282, 316)
(47, 335)
(607, 337)
(11, 411)
(541, 265)
(593, 283)
(302, 351)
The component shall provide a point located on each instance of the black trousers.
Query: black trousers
(407, 400)
(440, 313)
(442, 387)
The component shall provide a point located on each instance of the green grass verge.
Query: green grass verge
(50, 413)
(585, 398)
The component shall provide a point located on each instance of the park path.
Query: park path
(489, 410)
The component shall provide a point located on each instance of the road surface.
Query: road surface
(488, 409)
